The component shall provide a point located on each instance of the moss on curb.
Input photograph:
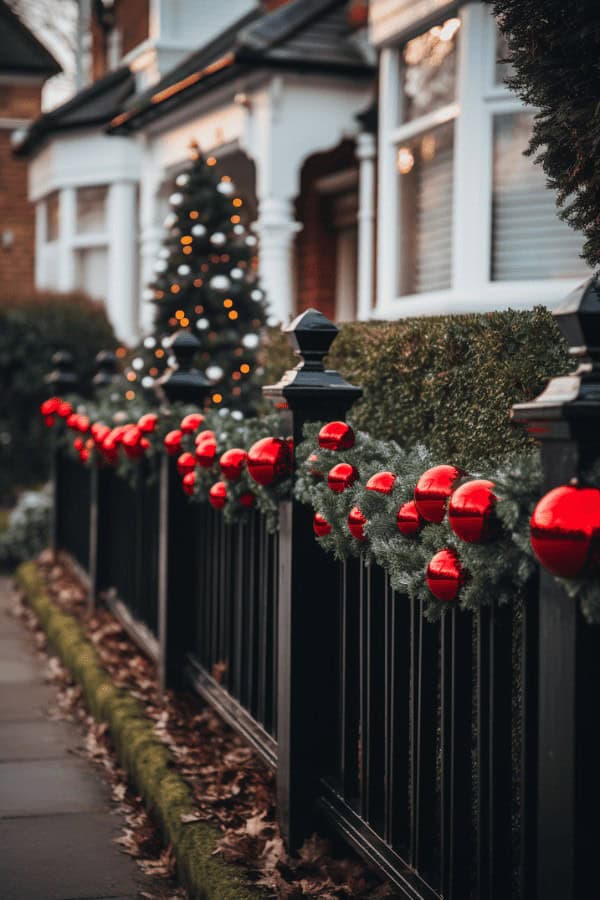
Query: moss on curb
(145, 759)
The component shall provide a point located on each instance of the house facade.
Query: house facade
(376, 145)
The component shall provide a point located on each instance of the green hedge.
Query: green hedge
(31, 330)
(446, 381)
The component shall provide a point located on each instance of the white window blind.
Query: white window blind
(433, 268)
(529, 240)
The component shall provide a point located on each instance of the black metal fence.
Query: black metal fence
(458, 757)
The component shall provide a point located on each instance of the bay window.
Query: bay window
(466, 221)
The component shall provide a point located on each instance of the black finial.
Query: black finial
(182, 383)
(62, 379)
(311, 335)
(578, 318)
(106, 365)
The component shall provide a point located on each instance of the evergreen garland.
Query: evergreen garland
(555, 52)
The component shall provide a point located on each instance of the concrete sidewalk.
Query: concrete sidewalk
(56, 823)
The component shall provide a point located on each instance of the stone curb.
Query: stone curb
(146, 760)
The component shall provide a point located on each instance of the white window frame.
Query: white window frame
(478, 100)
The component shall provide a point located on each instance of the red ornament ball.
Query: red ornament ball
(471, 511)
(408, 520)
(73, 421)
(341, 477)
(246, 499)
(188, 482)
(433, 489)
(84, 454)
(232, 463)
(205, 435)
(269, 460)
(48, 407)
(381, 482)
(186, 463)
(321, 526)
(445, 575)
(173, 442)
(217, 495)
(565, 530)
(99, 431)
(356, 523)
(78, 444)
(64, 409)
(148, 422)
(49, 421)
(206, 450)
(336, 436)
(191, 423)
(131, 442)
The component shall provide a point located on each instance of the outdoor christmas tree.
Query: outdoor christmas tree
(206, 282)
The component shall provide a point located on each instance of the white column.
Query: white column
(67, 219)
(41, 238)
(276, 229)
(365, 153)
(387, 195)
(122, 294)
(150, 242)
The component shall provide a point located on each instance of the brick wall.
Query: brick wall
(132, 19)
(17, 215)
(315, 250)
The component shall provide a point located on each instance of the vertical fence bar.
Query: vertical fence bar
(306, 700)
(566, 420)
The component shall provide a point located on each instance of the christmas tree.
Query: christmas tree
(206, 282)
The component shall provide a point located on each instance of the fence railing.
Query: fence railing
(457, 757)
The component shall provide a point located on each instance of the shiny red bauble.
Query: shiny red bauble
(148, 422)
(49, 421)
(356, 524)
(269, 460)
(72, 421)
(321, 526)
(173, 442)
(336, 436)
(341, 477)
(408, 520)
(99, 432)
(217, 495)
(83, 424)
(565, 530)
(188, 482)
(48, 407)
(471, 511)
(64, 409)
(191, 423)
(232, 463)
(246, 499)
(78, 444)
(433, 490)
(381, 482)
(205, 435)
(186, 463)
(206, 450)
(445, 575)
(84, 454)
(131, 442)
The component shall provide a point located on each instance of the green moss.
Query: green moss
(146, 760)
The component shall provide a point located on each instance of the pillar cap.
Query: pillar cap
(106, 365)
(182, 383)
(62, 379)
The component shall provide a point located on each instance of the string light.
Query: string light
(228, 303)
(198, 282)
(404, 160)
(198, 309)
(129, 395)
(175, 288)
(226, 178)
(120, 352)
(179, 314)
(235, 219)
(245, 368)
(184, 322)
(187, 250)
(153, 371)
(159, 294)
(131, 376)
(211, 161)
(236, 391)
(237, 202)
(194, 213)
(232, 314)
(217, 398)
(159, 353)
(187, 239)
(236, 376)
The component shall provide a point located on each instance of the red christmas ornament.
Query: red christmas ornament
(408, 520)
(83, 424)
(191, 423)
(148, 422)
(131, 442)
(206, 450)
(246, 499)
(173, 442)
(73, 421)
(232, 463)
(445, 575)
(188, 482)
(433, 489)
(84, 454)
(382, 482)
(110, 447)
(186, 463)
(341, 477)
(49, 421)
(269, 460)
(204, 436)
(321, 526)
(99, 432)
(356, 523)
(565, 530)
(49, 406)
(64, 409)
(78, 444)
(217, 495)
(471, 511)
(336, 436)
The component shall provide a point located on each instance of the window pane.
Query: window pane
(52, 217)
(504, 69)
(529, 240)
(430, 70)
(91, 271)
(91, 209)
(425, 169)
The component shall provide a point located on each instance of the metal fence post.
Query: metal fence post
(61, 381)
(180, 384)
(307, 586)
(566, 420)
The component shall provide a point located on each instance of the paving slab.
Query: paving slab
(37, 740)
(48, 787)
(64, 858)
(18, 671)
(25, 701)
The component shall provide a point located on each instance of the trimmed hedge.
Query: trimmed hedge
(141, 754)
(447, 381)
(32, 328)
